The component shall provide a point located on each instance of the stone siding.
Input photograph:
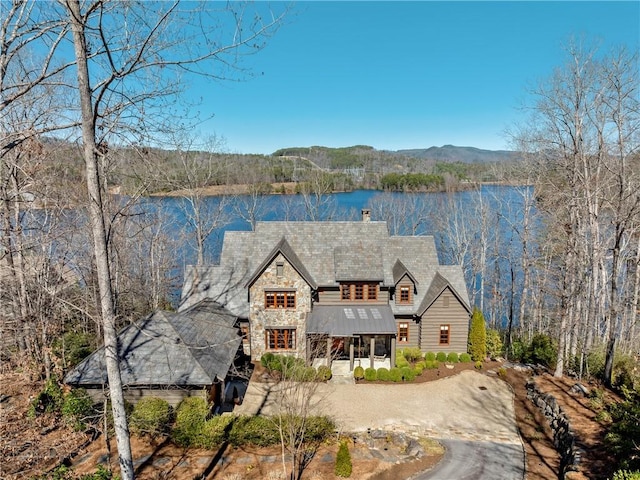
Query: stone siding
(261, 318)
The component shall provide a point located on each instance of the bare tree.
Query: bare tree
(130, 62)
(585, 136)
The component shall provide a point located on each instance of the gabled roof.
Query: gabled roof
(325, 253)
(194, 347)
(399, 271)
(287, 252)
(438, 285)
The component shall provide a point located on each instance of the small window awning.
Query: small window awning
(351, 320)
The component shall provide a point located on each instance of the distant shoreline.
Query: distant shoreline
(289, 188)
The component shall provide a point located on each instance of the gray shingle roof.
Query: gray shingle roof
(285, 249)
(351, 320)
(329, 251)
(193, 347)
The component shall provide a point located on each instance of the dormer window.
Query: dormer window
(404, 294)
(360, 291)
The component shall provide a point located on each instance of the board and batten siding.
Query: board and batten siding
(455, 315)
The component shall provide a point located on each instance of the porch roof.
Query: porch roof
(352, 320)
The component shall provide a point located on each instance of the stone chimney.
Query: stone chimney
(366, 215)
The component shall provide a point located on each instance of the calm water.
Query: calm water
(469, 227)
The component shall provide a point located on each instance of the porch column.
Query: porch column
(351, 349)
(329, 341)
(308, 349)
(372, 349)
(393, 352)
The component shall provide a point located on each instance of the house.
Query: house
(170, 355)
(335, 289)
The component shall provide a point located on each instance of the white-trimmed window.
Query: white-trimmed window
(445, 334)
(404, 294)
(403, 332)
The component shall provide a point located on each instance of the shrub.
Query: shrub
(517, 350)
(266, 360)
(253, 430)
(441, 357)
(502, 372)
(408, 374)
(626, 475)
(624, 431)
(101, 473)
(418, 368)
(358, 373)
(383, 374)
(343, 461)
(625, 373)
(324, 373)
(477, 336)
(319, 428)
(478, 365)
(430, 356)
(412, 354)
(76, 407)
(465, 358)
(191, 416)
(151, 416)
(541, 351)
(452, 357)
(395, 374)
(49, 400)
(494, 343)
(431, 364)
(402, 362)
(73, 347)
(215, 431)
(370, 374)
(309, 374)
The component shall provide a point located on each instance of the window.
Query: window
(346, 291)
(445, 301)
(405, 294)
(403, 332)
(280, 338)
(279, 268)
(276, 299)
(359, 291)
(444, 334)
(244, 330)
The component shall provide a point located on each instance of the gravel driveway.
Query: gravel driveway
(469, 406)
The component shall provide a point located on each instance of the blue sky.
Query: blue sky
(397, 75)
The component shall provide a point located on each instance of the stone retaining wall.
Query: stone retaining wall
(563, 437)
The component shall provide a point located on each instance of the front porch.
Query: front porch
(374, 351)
(365, 334)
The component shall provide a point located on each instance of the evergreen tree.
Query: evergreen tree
(477, 336)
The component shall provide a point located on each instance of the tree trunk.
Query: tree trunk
(96, 217)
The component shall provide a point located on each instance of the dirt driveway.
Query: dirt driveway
(469, 405)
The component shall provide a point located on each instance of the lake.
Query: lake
(482, 229)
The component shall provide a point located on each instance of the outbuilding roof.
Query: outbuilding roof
(194, 347)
